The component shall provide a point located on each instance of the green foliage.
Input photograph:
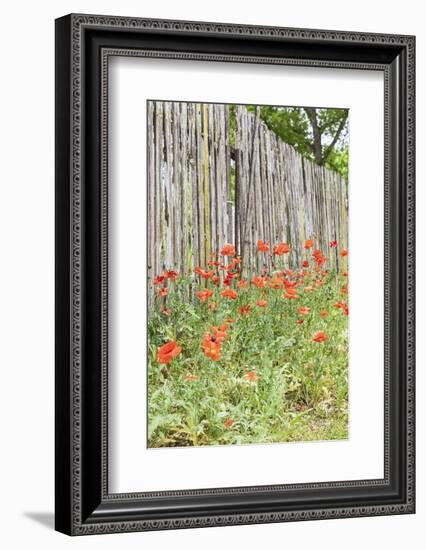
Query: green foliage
(339, 161)
(294, 126)
(291, 124)
(301, 393)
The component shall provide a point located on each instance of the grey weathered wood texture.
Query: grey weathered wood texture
(279, 195)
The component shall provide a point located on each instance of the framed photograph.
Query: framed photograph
(234, 274)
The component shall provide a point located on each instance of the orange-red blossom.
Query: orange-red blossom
(212, 343)
(167, 352)
(318, 257)
(229, 293)
(211, 349)
(172, 275)
(320, 336)
(204, 274)
(281, 248)
(245, 310)
(291, 291)
(341, 304)
(263, 246)
(204, 295)
(228, 250)
(259, 282)
(211, 346)
(276, 282)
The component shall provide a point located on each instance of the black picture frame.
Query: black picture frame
(83, 46)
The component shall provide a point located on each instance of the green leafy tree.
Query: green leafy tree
(318, 134)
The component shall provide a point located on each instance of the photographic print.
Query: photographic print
(248, 276)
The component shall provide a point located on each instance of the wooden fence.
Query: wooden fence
(279, 195)
(283, 197)
(190, 211)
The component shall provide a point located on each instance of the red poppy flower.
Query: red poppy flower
(211, 347)
(219, 333)
(204, 274)
(263, 246)
(291, 289)
(281, 248)
(259, 282)
(309, 244)
(318, 257)
(245, 310)
(299, 321)
(290, 294)
(168, 352)
(229, 423)
(344, 252)
(333, 244)
(172, 275)
(261, 303)
(229, 293)
(159, 280)
(305, 263)
(320, 336)
(228, 250)
(323, 313)
(341, 304)
(276, 283)
(242, 284)
(304, 310)
(252, 376)
(204, 295)
(163, 291)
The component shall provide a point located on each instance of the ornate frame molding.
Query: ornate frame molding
(72, 46)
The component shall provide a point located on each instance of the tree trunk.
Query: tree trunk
(316, 145)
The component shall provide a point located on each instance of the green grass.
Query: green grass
(301, 393)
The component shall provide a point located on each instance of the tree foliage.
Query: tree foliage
(318, 134)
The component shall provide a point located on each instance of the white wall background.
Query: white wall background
(27, 245)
